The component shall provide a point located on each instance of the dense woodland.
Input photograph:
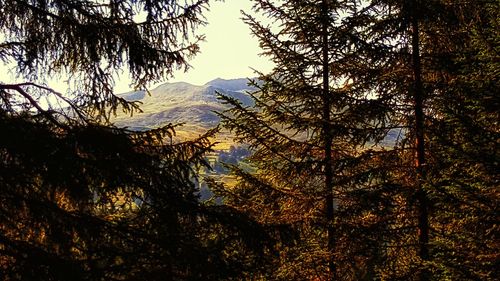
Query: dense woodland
(328, 192)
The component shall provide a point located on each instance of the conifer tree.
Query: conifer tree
(445, 38)
(394, 68)
(79, 198)
(316, 132)
(462, 78)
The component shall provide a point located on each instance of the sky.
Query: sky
(228, 52)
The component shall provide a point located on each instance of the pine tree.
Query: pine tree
(462, 76)
(91, 41)
(443, 34)
(80, 198)
(316, 135)
(394, 69)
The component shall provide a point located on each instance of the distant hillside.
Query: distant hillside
(230, 85)
(194, 107)
(183, 103)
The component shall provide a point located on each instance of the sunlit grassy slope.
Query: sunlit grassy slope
(183, 103)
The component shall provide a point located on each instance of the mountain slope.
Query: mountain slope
(182, 102)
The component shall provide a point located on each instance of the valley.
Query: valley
(193, 108)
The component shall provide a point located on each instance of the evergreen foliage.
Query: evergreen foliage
(81, 199)
(374, 145)
(464, 133)
(420, 206)
(297, 123)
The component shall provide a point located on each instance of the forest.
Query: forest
(371, 149)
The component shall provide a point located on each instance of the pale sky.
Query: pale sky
(229, 51)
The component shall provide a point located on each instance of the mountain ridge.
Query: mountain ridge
(194, 106)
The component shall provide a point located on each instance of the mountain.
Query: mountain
(194, 107)
(231, 85)
(182, 102)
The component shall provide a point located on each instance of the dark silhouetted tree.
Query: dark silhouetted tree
(316, 130)
(386, 113)
(81, 199)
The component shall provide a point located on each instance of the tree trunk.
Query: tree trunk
(423, 216)
(328, 143)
